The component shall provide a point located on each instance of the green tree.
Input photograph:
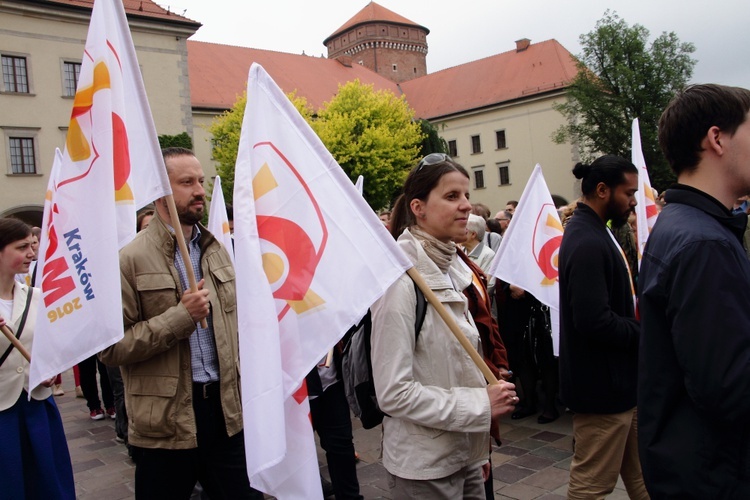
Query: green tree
(182, 140)
(620, 78)
(373, 134)
(225, 131)
(370, 133)
(432, 142)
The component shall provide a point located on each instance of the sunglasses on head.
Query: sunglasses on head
(432, 159)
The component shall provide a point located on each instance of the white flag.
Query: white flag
(311, 258)
(218, 221)
(645, 211)
(111, 165)
(527, 256)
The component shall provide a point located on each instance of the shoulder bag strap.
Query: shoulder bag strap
(20, 326)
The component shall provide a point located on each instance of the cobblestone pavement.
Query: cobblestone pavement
(533, 461)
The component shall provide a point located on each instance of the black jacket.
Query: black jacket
(694, 384)
(598, 330)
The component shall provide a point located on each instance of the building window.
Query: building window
(22, 157)
(478, 177)
(476, 144)
(71, 72)
(504, 173)
(395, 67)
(15, 76)
(452, 149)
(500, 134)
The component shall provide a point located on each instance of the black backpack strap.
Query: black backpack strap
(421, 311)
(20, 325)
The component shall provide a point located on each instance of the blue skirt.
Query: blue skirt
(34, 457)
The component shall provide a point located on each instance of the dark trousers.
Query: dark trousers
(118, 392)
(218, 462)
(333, 423)
(87, 369)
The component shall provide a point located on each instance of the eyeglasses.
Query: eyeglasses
(432, 159)
(501, 219)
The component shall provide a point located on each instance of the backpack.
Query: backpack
(356, 365)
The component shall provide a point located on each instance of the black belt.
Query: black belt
(205, 391)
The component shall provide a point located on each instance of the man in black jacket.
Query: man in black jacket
(694, 373)
(599, 334)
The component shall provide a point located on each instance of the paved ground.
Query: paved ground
(533, 461)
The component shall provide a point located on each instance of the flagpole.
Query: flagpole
(451, 322)
(16, 343)
(183, 249)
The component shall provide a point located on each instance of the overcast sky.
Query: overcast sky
(466, 30)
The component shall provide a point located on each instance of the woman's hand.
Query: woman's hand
(486, 471)
(49, 382)
(503, 398)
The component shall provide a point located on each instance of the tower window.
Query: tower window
(395, 67)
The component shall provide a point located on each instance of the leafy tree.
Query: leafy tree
(620, 78)
(432, 142)
(370, 133)
(182, 140)
(225, 131)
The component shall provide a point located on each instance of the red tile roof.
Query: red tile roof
(140, 8)
(218, 74)
(372, 13)
(504, 77)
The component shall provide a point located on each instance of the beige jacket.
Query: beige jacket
(154, 355)
(14, 374)
(436, 397)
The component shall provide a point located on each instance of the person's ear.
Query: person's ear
(417, 208)
(602, 190)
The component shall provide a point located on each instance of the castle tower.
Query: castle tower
(383, 41)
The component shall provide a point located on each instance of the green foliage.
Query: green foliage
(373, 134)
(432, 142)
(370, 133)
(225, 142)
(182, 140)
(620, 78)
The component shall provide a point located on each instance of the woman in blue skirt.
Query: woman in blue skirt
(34, 457)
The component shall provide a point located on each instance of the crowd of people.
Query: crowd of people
(654, 363)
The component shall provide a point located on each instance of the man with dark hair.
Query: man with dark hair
(181, 379)
(599, 334)
(511, 206)
(694, 373)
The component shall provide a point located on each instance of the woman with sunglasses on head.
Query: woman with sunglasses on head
(438, 405)
(34, 457)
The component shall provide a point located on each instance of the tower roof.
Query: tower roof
(373, 12)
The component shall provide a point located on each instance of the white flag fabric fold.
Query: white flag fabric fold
(111, 165)
(527, 256)
(218, 221)
(311, 257)
(645, 210)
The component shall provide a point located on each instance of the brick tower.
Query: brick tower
(383, 41)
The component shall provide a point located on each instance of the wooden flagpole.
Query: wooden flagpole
(451, 322)
(16, 343)
(183, 248)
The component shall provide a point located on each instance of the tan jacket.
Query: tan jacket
(436, 397)
(14, 374)
(154, 355)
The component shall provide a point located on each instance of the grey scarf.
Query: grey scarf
(440, 253)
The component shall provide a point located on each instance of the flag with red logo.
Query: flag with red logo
(218, 221)
(111, 166)
(645, 210)
(528, 255)
(311, 257)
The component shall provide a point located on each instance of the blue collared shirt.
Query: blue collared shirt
(203, 356)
